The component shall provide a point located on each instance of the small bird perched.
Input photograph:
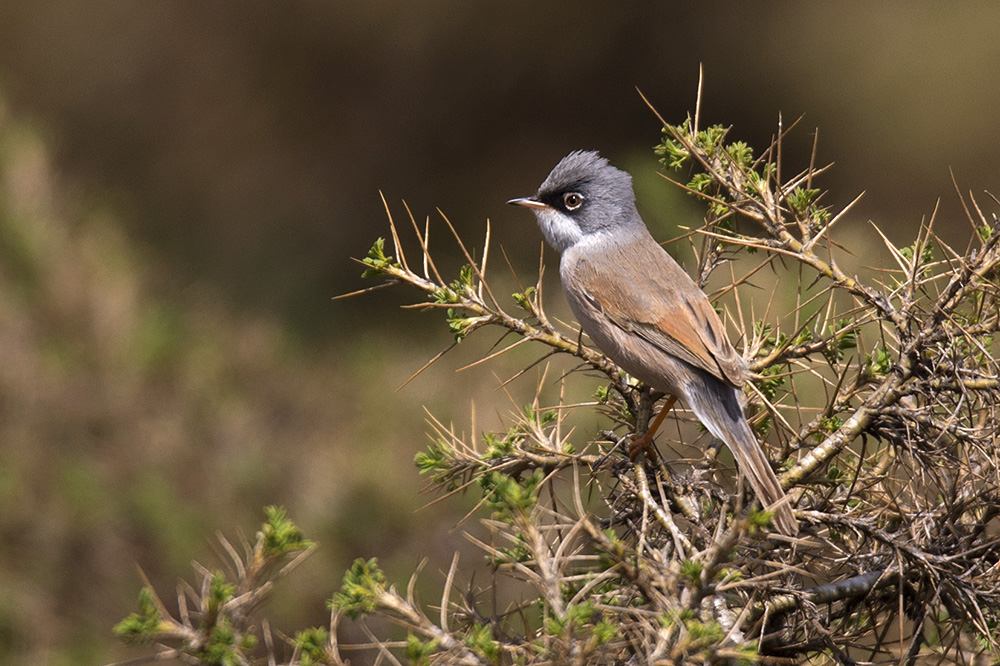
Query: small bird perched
(642, 310)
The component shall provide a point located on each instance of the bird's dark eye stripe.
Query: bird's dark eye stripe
(557, 198)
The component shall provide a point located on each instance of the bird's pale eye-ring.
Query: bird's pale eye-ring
(572, 200)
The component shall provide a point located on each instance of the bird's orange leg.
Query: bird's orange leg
(644, 443)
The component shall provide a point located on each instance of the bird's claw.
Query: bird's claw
(642, 444)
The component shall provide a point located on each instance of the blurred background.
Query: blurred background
(182, 188)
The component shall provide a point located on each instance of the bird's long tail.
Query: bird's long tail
(720, 412)
(753, 463)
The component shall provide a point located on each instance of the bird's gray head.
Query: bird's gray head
(583, 196)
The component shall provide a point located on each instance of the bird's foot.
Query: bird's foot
(643, 444)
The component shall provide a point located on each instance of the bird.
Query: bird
(644, 312)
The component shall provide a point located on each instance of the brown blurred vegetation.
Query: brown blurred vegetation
(183, 185)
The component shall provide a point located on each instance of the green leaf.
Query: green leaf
(419, 652)
(501, 447)
(691, 570)
(926, 255)
(463, 285)
(705, 633)
(760, 518)
(580, 616)
(741, 154)
(702, 183)
(843, 337)
(480, 640)
(524, 300)
(828, 425)
(363, 584)
(226, 646)
(877, 363)
(144, 626)
(674, 155)
(311, 644)
(604, 632)
(519, 553)
(508, 497)
(771, 380)
(711, 138)
(801, 198)
(458, 324)
(434, 459)
(280, 535)
(377, 260)
(219, 591)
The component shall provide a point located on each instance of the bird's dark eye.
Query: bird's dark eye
(572, 200)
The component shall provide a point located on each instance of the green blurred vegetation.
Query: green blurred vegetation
(246, 143)
(134, 426)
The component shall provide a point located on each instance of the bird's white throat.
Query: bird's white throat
(561, 231)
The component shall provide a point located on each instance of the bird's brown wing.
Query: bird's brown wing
(653, 298)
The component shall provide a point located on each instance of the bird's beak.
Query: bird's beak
(528, 202)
